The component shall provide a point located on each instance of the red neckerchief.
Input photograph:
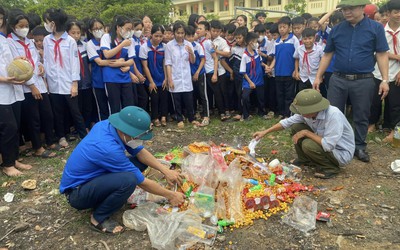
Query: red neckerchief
(27, 52)
(306, 61)
(230, 43)
(118, 55)
(81, 64)
(57, 51)
(394, 36)
(155, 51)
(252, 63)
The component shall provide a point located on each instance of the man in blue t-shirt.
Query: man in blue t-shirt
(357, 43)
(99, 175)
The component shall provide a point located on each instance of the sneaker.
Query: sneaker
(227, 115)
(270, 115)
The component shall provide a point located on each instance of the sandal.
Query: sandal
(55, 147)
(46, 154)
(106, 226)
(323, 175)
(196, 123)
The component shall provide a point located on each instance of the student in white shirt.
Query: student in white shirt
(36, 107)
(307, 58)
(9, 138)
(222, 49)
(178, 56)
(117, 45)
(61, 62)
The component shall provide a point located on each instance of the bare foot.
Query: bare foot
(12, 171)
(371, 128)
(389, 138)
(22, 166)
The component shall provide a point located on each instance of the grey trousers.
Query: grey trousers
(360, 92)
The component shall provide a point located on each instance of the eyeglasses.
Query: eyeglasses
(143, 134)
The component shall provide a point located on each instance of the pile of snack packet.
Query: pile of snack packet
(227, 185)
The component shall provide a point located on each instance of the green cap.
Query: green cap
(345, 3)
(308, 101)
(132, 121)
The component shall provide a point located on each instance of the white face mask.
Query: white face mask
(22, 32)
(260, 38)
(255, 46)
(98, 33)
(125, 34)
(134, 143)
(48, 27)
(137, 33)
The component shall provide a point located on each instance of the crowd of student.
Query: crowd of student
(86, 70)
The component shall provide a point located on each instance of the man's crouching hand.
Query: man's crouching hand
(172, 176)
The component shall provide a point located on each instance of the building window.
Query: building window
(259, 3)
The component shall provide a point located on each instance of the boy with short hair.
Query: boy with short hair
(211, 64)
(198, 75)
(261, 16)
(252, 68)
(285, 46)
(38, 33)
(225, 62)
(222, 50)
(298, 26)
(307, 58)
(392, 101)
(270, 85)
(235, 59)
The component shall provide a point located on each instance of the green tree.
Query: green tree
(157, 10)
(298, 6)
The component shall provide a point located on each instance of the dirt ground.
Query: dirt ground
(364, 213)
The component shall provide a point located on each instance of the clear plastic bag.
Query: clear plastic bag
(204, 201)
(137, 197)
(167, 230)
(228, 193)
(302, 215)
(199, 168)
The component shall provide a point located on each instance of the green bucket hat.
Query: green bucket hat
(133, 121)
(345, 3)
(308, 101)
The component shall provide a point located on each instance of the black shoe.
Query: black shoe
(362, 155)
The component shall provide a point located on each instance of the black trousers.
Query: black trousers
(142, 96)
(270, 94)
(120, 95)
(228, 92)
(9, 138)
(393, 103)
(85, 102)
(304, 85)
(159, 103)
(185, 98)
(285, 92)
(238, 83)
(217, 89)
(102, 103)
(376, 106)
(247, 102)
(40, 118)
(61, 103)
(200, 90)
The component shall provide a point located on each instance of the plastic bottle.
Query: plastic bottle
(251, 181)
(272, 179)
(255, 188)
(225, 223)
(396, 136)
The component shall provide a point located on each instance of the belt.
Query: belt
(353, 77)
